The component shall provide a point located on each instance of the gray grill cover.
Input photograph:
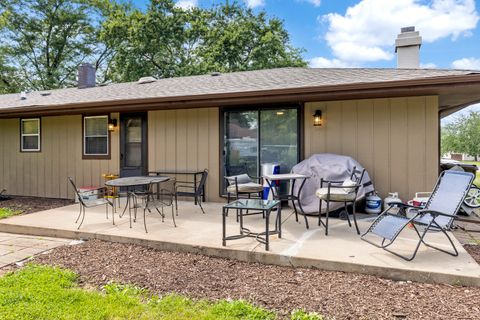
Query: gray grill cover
(330, 167)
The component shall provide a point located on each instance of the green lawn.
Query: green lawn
(5, 213)
(477, 179)
(43, 292)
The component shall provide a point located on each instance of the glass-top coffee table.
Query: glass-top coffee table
(260, 206)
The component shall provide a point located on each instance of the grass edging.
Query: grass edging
(46, 292)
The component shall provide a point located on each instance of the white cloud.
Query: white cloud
(316, 3)
(321, 62)
(368, 29)
(254, 3)
(428, 65)
(186, 4)
(466, 63)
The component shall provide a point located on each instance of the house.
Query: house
(387, 119)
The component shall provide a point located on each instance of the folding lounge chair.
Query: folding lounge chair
(441, 209)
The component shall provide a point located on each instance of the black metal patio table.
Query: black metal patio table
(292, 177)
(129, 182)
(260, 206)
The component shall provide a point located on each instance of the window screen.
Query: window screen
(95, 135)
(30, 135)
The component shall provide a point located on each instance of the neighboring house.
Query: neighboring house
(387, 119)
(459, 157)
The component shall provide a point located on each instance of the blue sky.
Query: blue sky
(361, 33)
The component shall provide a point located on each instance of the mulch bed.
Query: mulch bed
(33, 204)
(474, 251)
(336, 295)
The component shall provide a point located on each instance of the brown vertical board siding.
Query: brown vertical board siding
(186, 139)
(214, 153)
(182, 128)
(381, 141)
(152, 138)
(170, 140)
(44, 174)
(71, 149)
(203, 140)
(399, 145)
(416, 145)
(395, 139)
(432, 141)
(192, 137)
(63, 167)
(349, 128)
(365, 154)
(333, 126)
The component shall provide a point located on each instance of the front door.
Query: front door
(133, 144)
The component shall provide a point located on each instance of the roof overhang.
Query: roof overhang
(454, 92)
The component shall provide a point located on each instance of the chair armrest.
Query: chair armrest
(96, 189)
(344, 187)
(185, 186)
(436, 213)
(332, 181)
(187, 182)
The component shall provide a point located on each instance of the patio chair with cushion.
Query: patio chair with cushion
(90, 203)
(157, 197)
(441, 209)
(340, 191)
(243, 186)
(240, 184)
(195, 191)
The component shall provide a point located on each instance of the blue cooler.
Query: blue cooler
(269, 168)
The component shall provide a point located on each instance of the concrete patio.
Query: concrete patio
(341, 250)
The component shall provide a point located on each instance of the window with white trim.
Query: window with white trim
(30, 135)
(95, 136)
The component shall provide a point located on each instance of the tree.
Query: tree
(44, 41)
(462, 135)
(167, 41)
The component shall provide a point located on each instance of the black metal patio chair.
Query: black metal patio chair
(85, 203)
(157, 196)
(195, 191)
(340, 191)
(438, 215)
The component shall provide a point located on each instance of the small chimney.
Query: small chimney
(407, 47)
(86, 76)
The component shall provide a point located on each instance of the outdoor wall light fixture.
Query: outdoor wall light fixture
(112, 124)
(317, 118)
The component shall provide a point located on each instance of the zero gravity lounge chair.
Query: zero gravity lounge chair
(438, 215)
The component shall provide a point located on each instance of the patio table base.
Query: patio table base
(262, 206)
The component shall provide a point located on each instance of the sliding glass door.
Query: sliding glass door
(262, 135)
(279, 138)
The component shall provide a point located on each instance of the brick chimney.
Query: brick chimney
(407, 47)
(86, 76)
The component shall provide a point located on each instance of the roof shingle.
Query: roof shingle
(236, 82)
